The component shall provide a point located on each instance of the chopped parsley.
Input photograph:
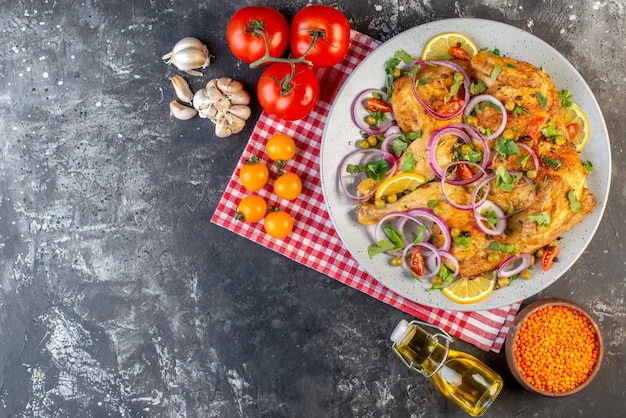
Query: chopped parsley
(543, 102)
(574, 204)
(550, 162)
(504, 180)
(462, 241)
(550, 131)
(380, 247)
(542, 219)
(565, 98)
(518, 110)
(458, 80)
(375, 169)
(477, 87)
(495, 72)
(408, 162)
(588, 166)
(402, 142)
(506, 147)
(505, 248)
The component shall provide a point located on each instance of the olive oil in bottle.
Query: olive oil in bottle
(461, 377)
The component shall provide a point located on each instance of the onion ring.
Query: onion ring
(505, 270)
(488, 98)
(357, 110)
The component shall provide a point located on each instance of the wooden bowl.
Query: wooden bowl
(521, 317)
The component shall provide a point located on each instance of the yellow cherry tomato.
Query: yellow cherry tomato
(254, 174)
(280, 147)
(278, 224)
(288, 186)
(252, 208)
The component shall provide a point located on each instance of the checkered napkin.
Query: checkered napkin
(314, 241)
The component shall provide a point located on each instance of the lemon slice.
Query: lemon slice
(437, 47)
(574, 114)
(473, 290)
(399, 183)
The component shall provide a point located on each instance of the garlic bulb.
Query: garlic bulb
(189, 54)
(182, 112)
(225, 103)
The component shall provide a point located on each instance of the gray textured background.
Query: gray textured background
(119, 298)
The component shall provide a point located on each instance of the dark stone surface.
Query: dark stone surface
(118, 297)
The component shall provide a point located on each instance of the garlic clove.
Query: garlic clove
(182, 90)
(235, 123)
(240, 111)
(211, 113)
(240, 98)
(200, 100)
(222, 128)
(182, 112)
(229, 86)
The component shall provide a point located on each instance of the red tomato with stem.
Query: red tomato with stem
(321, 33)
(288, 91)
(245, 33)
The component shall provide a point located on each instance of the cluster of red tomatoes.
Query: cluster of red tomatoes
(254, 175)
(319, 36)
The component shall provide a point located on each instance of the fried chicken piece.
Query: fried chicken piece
(560, 178)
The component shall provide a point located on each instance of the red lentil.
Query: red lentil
(556, 349)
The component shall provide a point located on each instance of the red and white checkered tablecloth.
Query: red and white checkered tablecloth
(314, 241)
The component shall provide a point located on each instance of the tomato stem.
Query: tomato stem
(256, 28)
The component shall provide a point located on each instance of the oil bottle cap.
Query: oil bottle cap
(400, 332)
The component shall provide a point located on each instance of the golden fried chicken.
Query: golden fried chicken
(560, 198)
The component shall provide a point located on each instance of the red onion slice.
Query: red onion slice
(369, 154)
(532, 153)
(500, 225)
(453, 259)
(429, 216)
(508, 268)
(378, 232)
(488, 98)
(434, 142)
(359, 112)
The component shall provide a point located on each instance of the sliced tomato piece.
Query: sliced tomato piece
(464, 172)
(572, 130)
(378, 105)
(549, 255)
(458, 53)
(536, 125)
(417, 262)
(450, 108)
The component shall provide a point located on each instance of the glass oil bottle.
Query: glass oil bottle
(461, 377)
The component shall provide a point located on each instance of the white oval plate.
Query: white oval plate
(340, 135)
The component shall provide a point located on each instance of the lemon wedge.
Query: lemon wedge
(437, 47)
(472, 290)
(574, 114)
(399, 183)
